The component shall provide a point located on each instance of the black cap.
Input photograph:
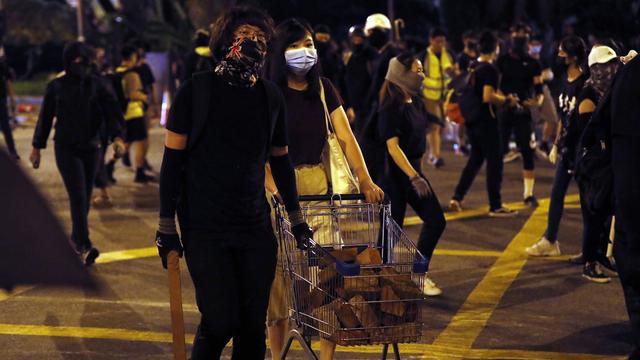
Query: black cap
(73, 51)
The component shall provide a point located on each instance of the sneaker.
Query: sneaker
(109, 169)
(89, 256)
(609, 263)
(126, 160)
(430, 288)
(142, 178)
(577, 259)
(502, 212)
(436, 162)
(511, 156)
(593, 272)
(531, 201)
(544, 247)
(455, 206)
(147, 166)
(102, 202)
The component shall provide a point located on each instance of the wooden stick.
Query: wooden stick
(175, 299)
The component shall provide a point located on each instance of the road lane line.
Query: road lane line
(471, 319)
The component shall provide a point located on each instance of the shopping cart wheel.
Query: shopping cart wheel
(385, 350)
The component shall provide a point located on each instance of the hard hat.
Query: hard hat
(601, 55)
(377, 21)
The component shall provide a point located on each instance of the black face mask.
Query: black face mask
(519, 45)
(243, 62)
(322, 47)
(79, 70)
(378, 38)
(357, 47)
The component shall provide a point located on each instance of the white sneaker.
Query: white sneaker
(455, 206)
(430, 288)
(544, 247)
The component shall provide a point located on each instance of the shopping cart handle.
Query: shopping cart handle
(343, 268)
(331, 197)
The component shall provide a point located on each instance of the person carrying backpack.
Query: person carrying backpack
(482, 129)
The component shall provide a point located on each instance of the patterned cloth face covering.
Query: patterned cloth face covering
(245, 57)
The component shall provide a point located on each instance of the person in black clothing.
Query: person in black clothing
(563, 153)
(357, 75)
(6, 93)
(148, 81)
(624, 110)
(521, 76)
(81, 104)
(469, 54)
(328, 55)
(377, 29)
(403, 125)
(483, 131)
(200, 58)
(222, 129)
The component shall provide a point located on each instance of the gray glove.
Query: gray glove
(421, 186)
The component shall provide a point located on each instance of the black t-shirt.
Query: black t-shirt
(568, 109)
(485, 74)
(518, 74)
(225, 169)
(306, 123)
(409, 123)
(358, 76)
(146, 76)
(464, 61)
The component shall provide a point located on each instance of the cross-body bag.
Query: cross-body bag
(334, 160)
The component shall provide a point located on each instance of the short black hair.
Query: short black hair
(74, 50)
(287, 33)
(322, 28)
(128, 51)
(469, 34)
(574, 46)
(437, 32)
(520, 26)
(201, 38)
(224, 27)
(487, 42)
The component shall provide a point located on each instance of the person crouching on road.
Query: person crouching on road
(403, 124)
(80, 102)
(223, 127)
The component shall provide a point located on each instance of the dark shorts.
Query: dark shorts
(136, 130)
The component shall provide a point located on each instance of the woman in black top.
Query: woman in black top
(293, 65)
(79, 102)
(403, 125)
(563, 153)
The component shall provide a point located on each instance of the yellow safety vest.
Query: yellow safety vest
(135, 109)
(436, 79)
(203, 51)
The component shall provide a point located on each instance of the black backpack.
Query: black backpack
(463, 105)
(116, 83)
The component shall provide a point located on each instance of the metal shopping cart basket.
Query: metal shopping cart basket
(359, 282)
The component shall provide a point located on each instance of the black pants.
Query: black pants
(626, 250)
(556, 206)
(77, 166)
(519, 124)
(595, 232)
(428, 209)
(6, 127)
(232, 278)
(485, 145)
(101, 171)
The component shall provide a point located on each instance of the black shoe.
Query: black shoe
(146, 166)
(109, 169)
(142, 178)
(609, 263)
(531, 201)
(126, 160)
(89, 256)
(502, 212)
(438, 163)
(577, 259)
(593, 272)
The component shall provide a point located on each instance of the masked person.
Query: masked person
(200, 58)
(438, 71)
(223, 127)
(80, 103)
(6, 93)
(483, 131)
(522, 77)
(328, 56)
(403, 124)
(563, 153)
(293, 66)
(464, 61)
(378, 31)
(357, 75)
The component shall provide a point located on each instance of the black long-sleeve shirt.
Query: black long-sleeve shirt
(80, 107)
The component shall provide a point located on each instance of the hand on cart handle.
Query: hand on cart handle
(303, 234)
(166, 243)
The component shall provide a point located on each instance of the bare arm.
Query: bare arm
(175, 141)
(491, 96)
(399, 157)
(133, 88)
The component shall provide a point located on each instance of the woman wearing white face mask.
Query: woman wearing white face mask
(292, 64)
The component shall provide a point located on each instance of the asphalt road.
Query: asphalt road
(497, 303)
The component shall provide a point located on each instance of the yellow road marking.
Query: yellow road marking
(471, 319)
(480, 253)
(484, 211)
(428, 351)
(130, 254)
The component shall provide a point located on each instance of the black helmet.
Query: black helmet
(356, 30)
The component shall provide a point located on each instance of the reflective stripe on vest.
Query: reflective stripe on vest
(436, 80)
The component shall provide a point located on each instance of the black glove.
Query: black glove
(421, 186)
(303, 233)
(166, 243)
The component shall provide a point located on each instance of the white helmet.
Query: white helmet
(377, 21)
(601, 55)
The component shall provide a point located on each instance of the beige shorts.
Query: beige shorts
(310, 180)
(434, 107)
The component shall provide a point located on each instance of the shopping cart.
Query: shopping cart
(360, 280)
